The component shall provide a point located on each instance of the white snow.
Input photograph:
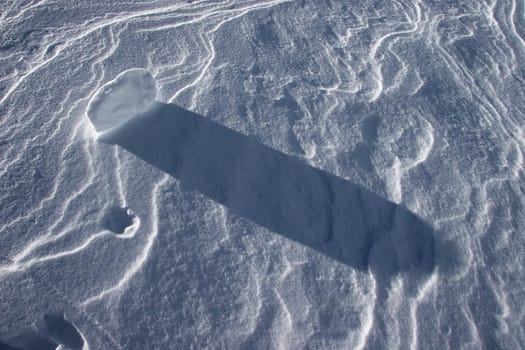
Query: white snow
(129, 94)
(350, 174)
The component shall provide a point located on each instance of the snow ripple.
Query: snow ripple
(417, 101)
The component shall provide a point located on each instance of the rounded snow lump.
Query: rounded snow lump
(129, 94)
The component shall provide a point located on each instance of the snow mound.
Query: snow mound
(62, 331)
(129, 94)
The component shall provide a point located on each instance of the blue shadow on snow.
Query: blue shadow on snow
(338, 218)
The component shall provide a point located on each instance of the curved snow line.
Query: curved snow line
(139, 262)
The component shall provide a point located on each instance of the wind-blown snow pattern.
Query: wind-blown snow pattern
(413, 110)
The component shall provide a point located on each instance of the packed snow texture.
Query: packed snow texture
(279, 192)
(314, 174)
(130, 94)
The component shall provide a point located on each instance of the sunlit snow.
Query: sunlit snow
(262, 174)
(130, 94)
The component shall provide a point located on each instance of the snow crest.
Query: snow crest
(129, 94)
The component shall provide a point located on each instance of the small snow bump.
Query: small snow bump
(27, 339)
(62, 331)
(131, 93)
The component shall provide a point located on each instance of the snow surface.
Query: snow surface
(312, 174)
